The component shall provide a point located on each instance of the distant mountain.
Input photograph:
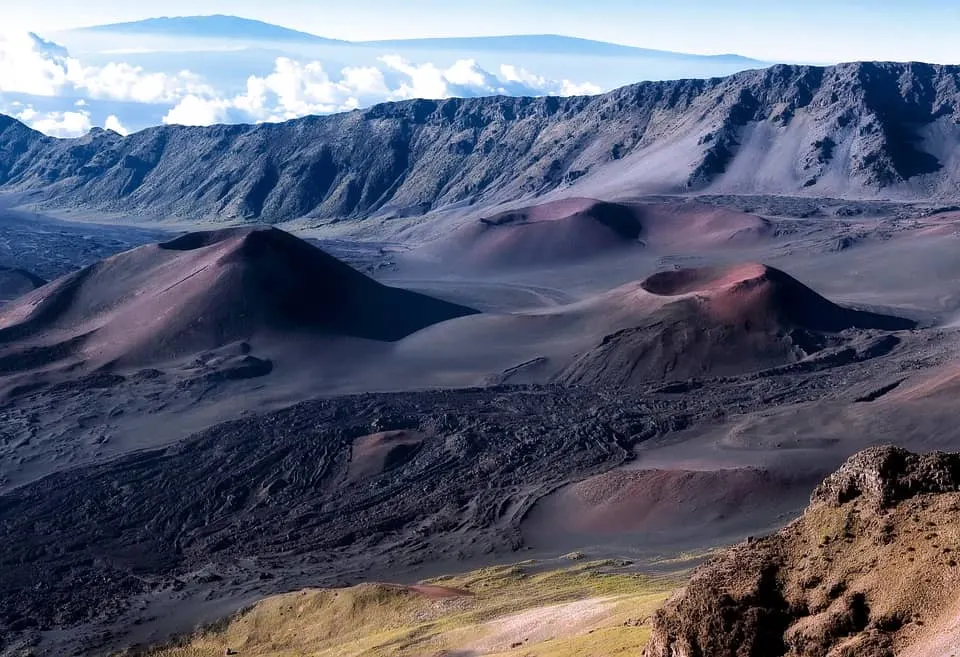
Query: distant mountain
(211, 27)
(550, 43)
(862, 130)
(244, 29)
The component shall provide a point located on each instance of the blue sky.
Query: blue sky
(128, 84)
(792, 30)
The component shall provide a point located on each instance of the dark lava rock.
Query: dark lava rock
(245, 367)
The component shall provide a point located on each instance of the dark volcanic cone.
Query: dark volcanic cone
(205, 290)
(724, 320)
(574, 229)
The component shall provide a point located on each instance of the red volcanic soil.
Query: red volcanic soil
(576, 229)
(694, 227)
(375, 454)
(558, 232)
(202, 291)
(706, 279)
(941, 384)
(633, 501)
(722, 321)
(753, 294)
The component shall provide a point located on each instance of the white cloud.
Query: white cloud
(27, 115)
(367, 82)
(568, 88)
(30, 65)
(121, 81)
(519, 76)
(69, 123)
(296, 89)
(57, 124)
(466, 73)
(194, 110)
(424, 80)
(113, 123)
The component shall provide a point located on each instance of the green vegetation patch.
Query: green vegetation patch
(591, 608)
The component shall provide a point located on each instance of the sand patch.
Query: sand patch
(374, 454)
(632, 501)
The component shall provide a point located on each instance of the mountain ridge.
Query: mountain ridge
(860, 131)
(551, 43)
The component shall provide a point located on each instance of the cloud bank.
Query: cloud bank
(297, 89)
(33, 67)
(30, 65)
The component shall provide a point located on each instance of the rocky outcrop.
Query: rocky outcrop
(885, 476)
(869, 570)
(852, 130)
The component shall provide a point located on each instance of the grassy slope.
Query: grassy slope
(505, 606)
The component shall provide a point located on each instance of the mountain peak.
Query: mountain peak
(215, 26)
(222, 26)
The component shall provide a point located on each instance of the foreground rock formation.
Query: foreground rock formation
(869, 570)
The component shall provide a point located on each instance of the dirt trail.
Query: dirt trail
(543, 624)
